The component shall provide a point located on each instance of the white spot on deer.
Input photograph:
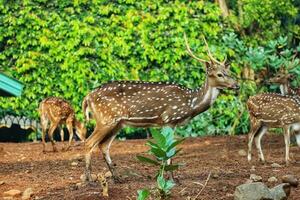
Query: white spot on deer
(175, 107)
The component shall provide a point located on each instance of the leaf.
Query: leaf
(174, 144)
(159, 139)
(147, 160)
(143, 194)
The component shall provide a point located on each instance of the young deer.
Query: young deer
(145, 104)
(271, 110)
(283, 78)
(58, 111)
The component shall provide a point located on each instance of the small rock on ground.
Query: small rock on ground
(272, 179)
(242, 152)
(27, 194)
(2, 182)
(255, 178)
(12, 193)
(292, 180)
(275, 165)
(74, 163)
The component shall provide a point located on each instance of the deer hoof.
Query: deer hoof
(117, 179)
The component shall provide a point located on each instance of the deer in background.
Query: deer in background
(147, 104)
(283, 78)
(271, 110)
(59, 111)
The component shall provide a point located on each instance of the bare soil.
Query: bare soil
(51, 175)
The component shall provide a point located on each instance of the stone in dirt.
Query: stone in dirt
(292, 180)
(259, 191)
(2, 182)
(255, 178)
(74, 163)
(242, 152)
(12, 193)
(272, 179)
(252, 191)
(281, 192)
(275, 165)
(27, 194)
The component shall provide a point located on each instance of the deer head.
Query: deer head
(218, 73)
(281, 77)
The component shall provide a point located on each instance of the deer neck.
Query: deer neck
(204, 97)
(284, 88)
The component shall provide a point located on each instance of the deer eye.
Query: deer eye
(220, 75)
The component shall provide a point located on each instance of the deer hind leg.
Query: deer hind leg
(253, 130)
(104, 147)
(44, 125)
(52, 128)
(262, 130)
(71, 133)
(93, 141)
(62, 134)
(287, 144)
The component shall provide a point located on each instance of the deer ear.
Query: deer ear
(209, 66)
(291, 76)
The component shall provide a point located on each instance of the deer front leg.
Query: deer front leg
(94, 140)
(50, 133)
(62, 134)
(287, 144)
(70, 129)
(258, 138)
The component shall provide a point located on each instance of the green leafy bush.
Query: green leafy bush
(66, 48)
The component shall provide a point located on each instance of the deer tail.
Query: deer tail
(86, 108)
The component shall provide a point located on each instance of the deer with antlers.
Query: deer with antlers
(146, 104)
(59, 111)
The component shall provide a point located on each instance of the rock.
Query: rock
(2, 182)
(255, 178)
(215, 176)
(281, 192)
(108, 174)
(74, 163)
(275, 165)
(8, 198)
(290, 179)
(242, 153)
(27, 194)
(12, 193)
(249, 181)
(252, 191)
(94, 177)
(252, 169)
(272, 179)
(80, 184)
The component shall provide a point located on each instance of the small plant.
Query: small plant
(163, 149)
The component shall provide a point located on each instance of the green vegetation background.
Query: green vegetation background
(66, 48)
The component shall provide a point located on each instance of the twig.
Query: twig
(208, 177)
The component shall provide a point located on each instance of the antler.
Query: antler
(190, 51)
(210, 54)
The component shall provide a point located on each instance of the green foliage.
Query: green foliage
(67, 48)
(143, 194)
(162, 149)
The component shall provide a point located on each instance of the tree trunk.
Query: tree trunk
(223, 7)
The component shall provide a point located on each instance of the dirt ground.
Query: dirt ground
(52, 176)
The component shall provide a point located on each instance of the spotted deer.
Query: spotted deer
(271, 110)
(59, 111)
(146, 104)
(283, 78)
